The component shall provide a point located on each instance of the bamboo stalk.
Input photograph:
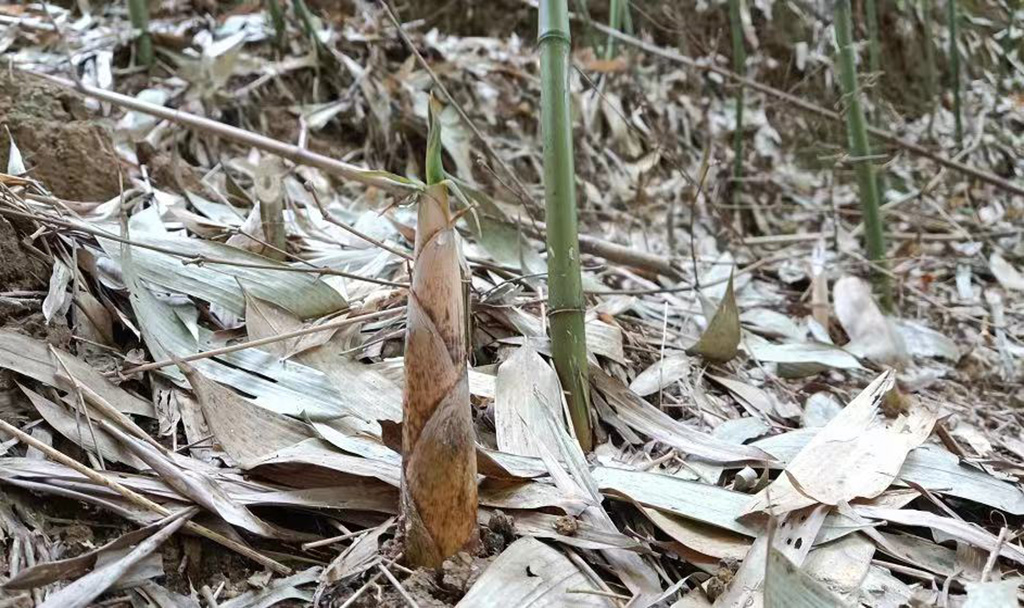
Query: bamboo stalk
(439, 493)
(276, 14)
(565, 286)
(739, 65)
(138, 11)
(952, 14)
(931, 72)
(615, 10)
(871, 17)
(860, 149)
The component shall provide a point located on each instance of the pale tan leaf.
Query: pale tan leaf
(32, 358)
(872, 335)
(1007, 275)
(244, 430)
(531, 573)
(787, 586)
(527, 392)
(82, 592)
(647, 419)
(854, 456)
(662, 373)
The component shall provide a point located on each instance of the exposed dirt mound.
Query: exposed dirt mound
(18, 271)
(68, 152)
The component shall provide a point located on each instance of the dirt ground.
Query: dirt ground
(68, 150)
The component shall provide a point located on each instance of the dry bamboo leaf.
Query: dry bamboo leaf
(842, 565)
(244, 430)
(932, 468)
(57, 297)
(439, 487)
(506, 495)
(362, 387)
(994, 594)
(792, 538)
(527, 392)
(82, 592)
(202, 489)
(721, 340)
(754, 400)
(693, 500)
(360, 556)
(277, 591)
(854, 456)
(872, 335)
(788, 586)
(302, 461)
(803, 358)
(74, 567)
(647, 419)
(32, 358)
(530, 573)
(663, 372)
(705, 539)
(961, 530)
(1008, 276)
(77, 431)
(584, 535)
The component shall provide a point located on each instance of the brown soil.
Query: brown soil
(19, 271)
(63, 147)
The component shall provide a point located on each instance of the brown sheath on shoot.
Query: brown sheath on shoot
(439, 493)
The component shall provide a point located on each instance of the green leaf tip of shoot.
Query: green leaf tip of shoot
(435, 167)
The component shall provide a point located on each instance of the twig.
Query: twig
(351, 230)
(994, 554)
(198, 259)
(262, 341)
(380, 179)
(398, 586)
(360, 591)
(140, 500)
(330, 541)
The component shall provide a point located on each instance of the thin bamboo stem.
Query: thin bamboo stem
(953, 16)
(565, 286)
(276, 14)
(931, 72)
(739, 65)
(871, 18)
(860, 148)
(138, 11)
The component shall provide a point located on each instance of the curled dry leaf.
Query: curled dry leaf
(854, 456)
(721, 340)
(872, 334)
(531, 573)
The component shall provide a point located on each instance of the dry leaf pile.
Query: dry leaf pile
(199, 407)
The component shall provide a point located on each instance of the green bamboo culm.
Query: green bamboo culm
(874, 53)
(739, 65)
(276, 14)
(860, 151)
(138, 11)
(618, 20)
(953, 15)
(931, 72)
(565, 287)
